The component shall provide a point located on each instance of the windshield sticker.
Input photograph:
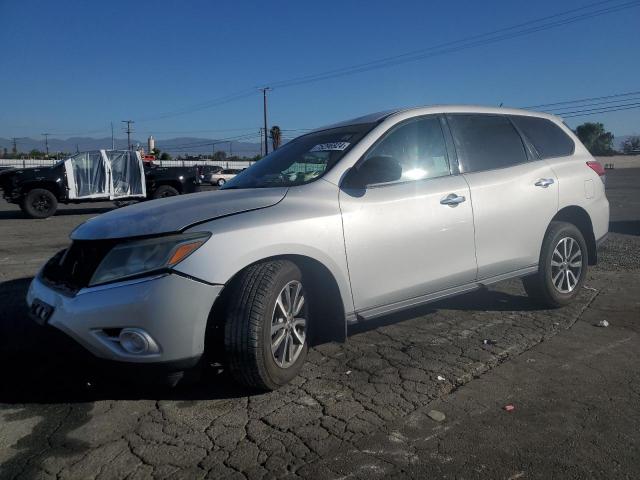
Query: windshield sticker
(330, 147)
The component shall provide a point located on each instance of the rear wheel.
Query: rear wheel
(221, 182)
(164, 191)
(39, 203)
(266, 325)
(562, 267)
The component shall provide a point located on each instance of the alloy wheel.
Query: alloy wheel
(288, 325)
(42, 203)
(566, 265)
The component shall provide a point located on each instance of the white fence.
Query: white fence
(35, 162)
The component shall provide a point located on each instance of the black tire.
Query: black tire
(164, 191)
(39, 203)
(221, 182)
(249, 313)
(125, 203)
(540, 286)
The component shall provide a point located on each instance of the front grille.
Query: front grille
(71, 269)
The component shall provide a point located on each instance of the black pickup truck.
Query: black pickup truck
(99, 175)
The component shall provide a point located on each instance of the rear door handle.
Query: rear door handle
(544, 182)
(452, 200)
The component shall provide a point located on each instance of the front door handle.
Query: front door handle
(544, 182)
(452, 200)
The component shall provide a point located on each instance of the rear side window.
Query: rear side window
(547, 138)
(486, 142)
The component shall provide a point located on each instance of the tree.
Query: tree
(4, 153)
(631, 145)
(597, 140)
(164, 155)
(276, 137)
(155, 152)
(220, 156)
(36, 154)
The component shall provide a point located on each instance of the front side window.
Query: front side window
(301, 160)
(89, 173)
(547, 138)
(418, 146)
(486, 142)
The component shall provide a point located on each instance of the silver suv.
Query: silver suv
(339, 226)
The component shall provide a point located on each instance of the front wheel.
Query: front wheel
(267, 320)
(562, 267)
(164, 191)
(39, 203)
(221, 182)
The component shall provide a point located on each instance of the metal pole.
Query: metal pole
(112, 143)
(264, 112)
(46, 142)
(128, 122)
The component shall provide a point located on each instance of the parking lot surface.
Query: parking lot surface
(358, 409)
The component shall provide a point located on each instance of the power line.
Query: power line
(210, 143)
(465, 43)
(591, 111)
(202, 106)
(581, 105)
(495, 36)
(581, 100)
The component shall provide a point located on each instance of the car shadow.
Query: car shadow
(42, 365)
(482, 299)
(626, 227)
(62, 212)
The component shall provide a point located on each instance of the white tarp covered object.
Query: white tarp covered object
(107, 174)
(127, 174)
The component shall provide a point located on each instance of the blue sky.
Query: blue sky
(71, 67)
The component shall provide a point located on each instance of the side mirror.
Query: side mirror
(380, 169)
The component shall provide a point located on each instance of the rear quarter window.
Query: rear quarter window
(547, 138)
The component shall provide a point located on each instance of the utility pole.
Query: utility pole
(128, 122)
(231, 149)
(46, 142)
(112, 144)
(261, 144)
(15, 147)
(264, 111)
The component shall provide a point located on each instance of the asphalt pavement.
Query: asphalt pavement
(359, 409)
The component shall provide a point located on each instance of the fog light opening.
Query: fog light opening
(136, 341)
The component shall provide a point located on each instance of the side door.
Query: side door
(87, 175)
(126, 174)
(514, 193)
(413, 236)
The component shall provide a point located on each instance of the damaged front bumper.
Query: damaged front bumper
(169, 310)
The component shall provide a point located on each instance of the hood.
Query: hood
(174, 214)
(7, 170)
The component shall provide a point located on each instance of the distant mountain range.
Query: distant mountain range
(174, 146)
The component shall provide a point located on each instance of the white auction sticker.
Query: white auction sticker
(330, 147)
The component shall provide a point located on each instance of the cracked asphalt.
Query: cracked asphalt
(358, 409)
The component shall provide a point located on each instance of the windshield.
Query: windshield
(301, 160)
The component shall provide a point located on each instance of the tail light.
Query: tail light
(598, 168)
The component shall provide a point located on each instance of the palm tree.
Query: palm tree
(276, 137)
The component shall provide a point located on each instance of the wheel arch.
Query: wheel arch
(579, 217)
(52, 186)
(326, 299)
